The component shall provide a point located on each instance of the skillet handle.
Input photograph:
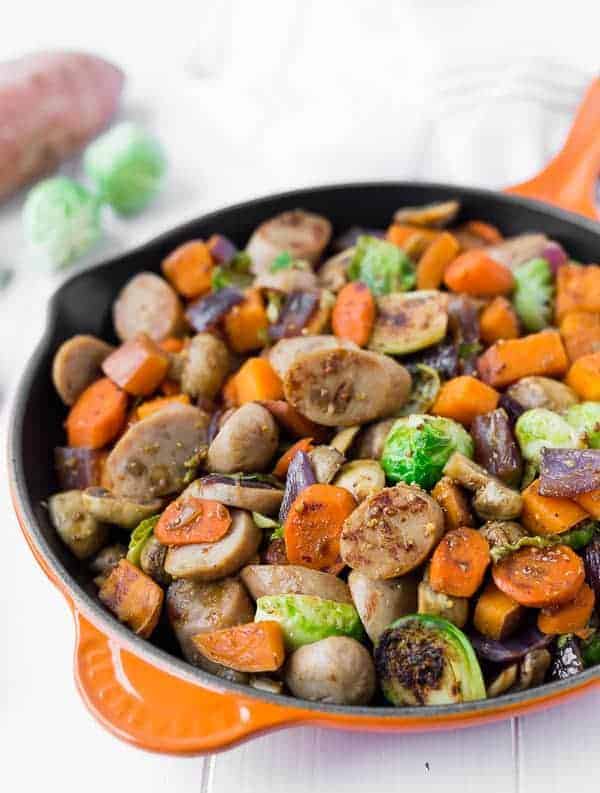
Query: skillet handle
(569, 180)
(157, 711)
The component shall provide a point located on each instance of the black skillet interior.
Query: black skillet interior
(83, 305)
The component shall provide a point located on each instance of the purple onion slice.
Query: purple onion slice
(295, 314)
(591, 561)
(555, 255)
(300, 475)
(206, 312)
(243, 480)
(569, 472)
(511, 649)
(222, 249)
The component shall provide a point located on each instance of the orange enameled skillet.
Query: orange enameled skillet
(139, 690)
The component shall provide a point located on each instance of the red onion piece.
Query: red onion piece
(569, 472)
(591, 561)
(78, 467)
(222, 249)
(555, 255)
(511, 649)
(299, 476)
(513, 408)
(240, 481)
(206, 312)
(295, 314)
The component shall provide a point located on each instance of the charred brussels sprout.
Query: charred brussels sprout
(307, 618)
(541, 428)
(533, 295)
(426, 660)
(382, 266)
(425, 388)
(419, 446)
(585, 418)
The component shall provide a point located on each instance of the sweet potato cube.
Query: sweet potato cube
(138, 366)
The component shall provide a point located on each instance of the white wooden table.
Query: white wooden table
(248, 98)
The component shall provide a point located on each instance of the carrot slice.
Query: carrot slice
(171, 344)
(353, 315)
(548, 515)
(498, 321)
(459, 562)
(246, 323)
(484, 231)
(313, 526)
(437, 256)
(98, 415)
(256, 380)
(254, 647)
(412, 239)
(537, 354)
(133, 597)
(148, 408)
(138, 366)
(303, 445)
(463, 398)
(192, 520)
(189, 268)
(569, 617)
(538, 577)
(584, 377)
(475, 273)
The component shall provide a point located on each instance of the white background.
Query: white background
(247, 98)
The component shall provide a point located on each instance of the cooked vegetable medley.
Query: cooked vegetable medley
(364, 471)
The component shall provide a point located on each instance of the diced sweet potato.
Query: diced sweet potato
(577, 289)
(580, 331)
(547, 515)
(537, 354)
(189, 268)
(497, 615)
(453, 502)
(138, 366)
(133, 597)
(584, 377)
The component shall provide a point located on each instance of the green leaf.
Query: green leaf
(382, 266)
(576, 538)
(590, 651)
(283, 261)
(139, 536)
(264, 522)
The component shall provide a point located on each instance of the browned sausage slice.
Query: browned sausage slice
(77, 364)
(344, 387)
(150, 458)
(392, 532)
(302, 234)
(291, 579)
(287, 351)
(147, 304)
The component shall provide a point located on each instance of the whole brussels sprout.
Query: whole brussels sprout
(127, 165)
(382, 266)
(308, 618)
(61, 219)
(533, 295)
(419, 446)
(540, 428)
(585, 418)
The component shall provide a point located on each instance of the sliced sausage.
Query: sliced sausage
(291, 579)
(147, 304)
(326, 462)
(205, 363)
(302, 234)
(391, 533)
(370, 442)
(237, 492)
(194, 607)
(124, 512)
(287, 351)
(82, 533)
(292, 279)
(150, 459)
(436, 215)
(213, 560)
(77, 364)
(333, 275)
(542, 392)
(246, 442)
(379, 603)
(337, 670)
(345, 387)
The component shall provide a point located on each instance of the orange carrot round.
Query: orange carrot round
(313, 526)
(459, 562)
(538, 577)
(354, 313)
(97, 416)
(254, 647)
(192, 520)
(437, 256)
(570, 617)
(303, 445)
(498, 320)
(475, 273)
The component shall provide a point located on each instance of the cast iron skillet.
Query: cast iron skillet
(140, 690)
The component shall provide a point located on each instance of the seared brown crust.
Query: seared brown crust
(345, 387)
(392, 532)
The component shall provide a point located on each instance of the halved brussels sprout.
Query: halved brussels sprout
(139, 536)
(82, 533)
(533, 295)
(118, 510)
(409, 322)
(541, 428)
(307, 618)
(382, 266)
(585, 419)
(419, 446)
(425, 388)
(426, 660)
(362, 478)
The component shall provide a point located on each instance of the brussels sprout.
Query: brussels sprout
(127, 165)
(264, 522)
(541, 428)
(425, 388)
(426, 660)
(409, 322)
(590, 651)
(139, 536)
(419, 446)
(61, 219)
(585, 418)
(382, 266)
(534, 291)
(362, 478)
(235, 273)
(307, 618)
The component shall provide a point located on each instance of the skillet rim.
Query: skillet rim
(91, 608)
